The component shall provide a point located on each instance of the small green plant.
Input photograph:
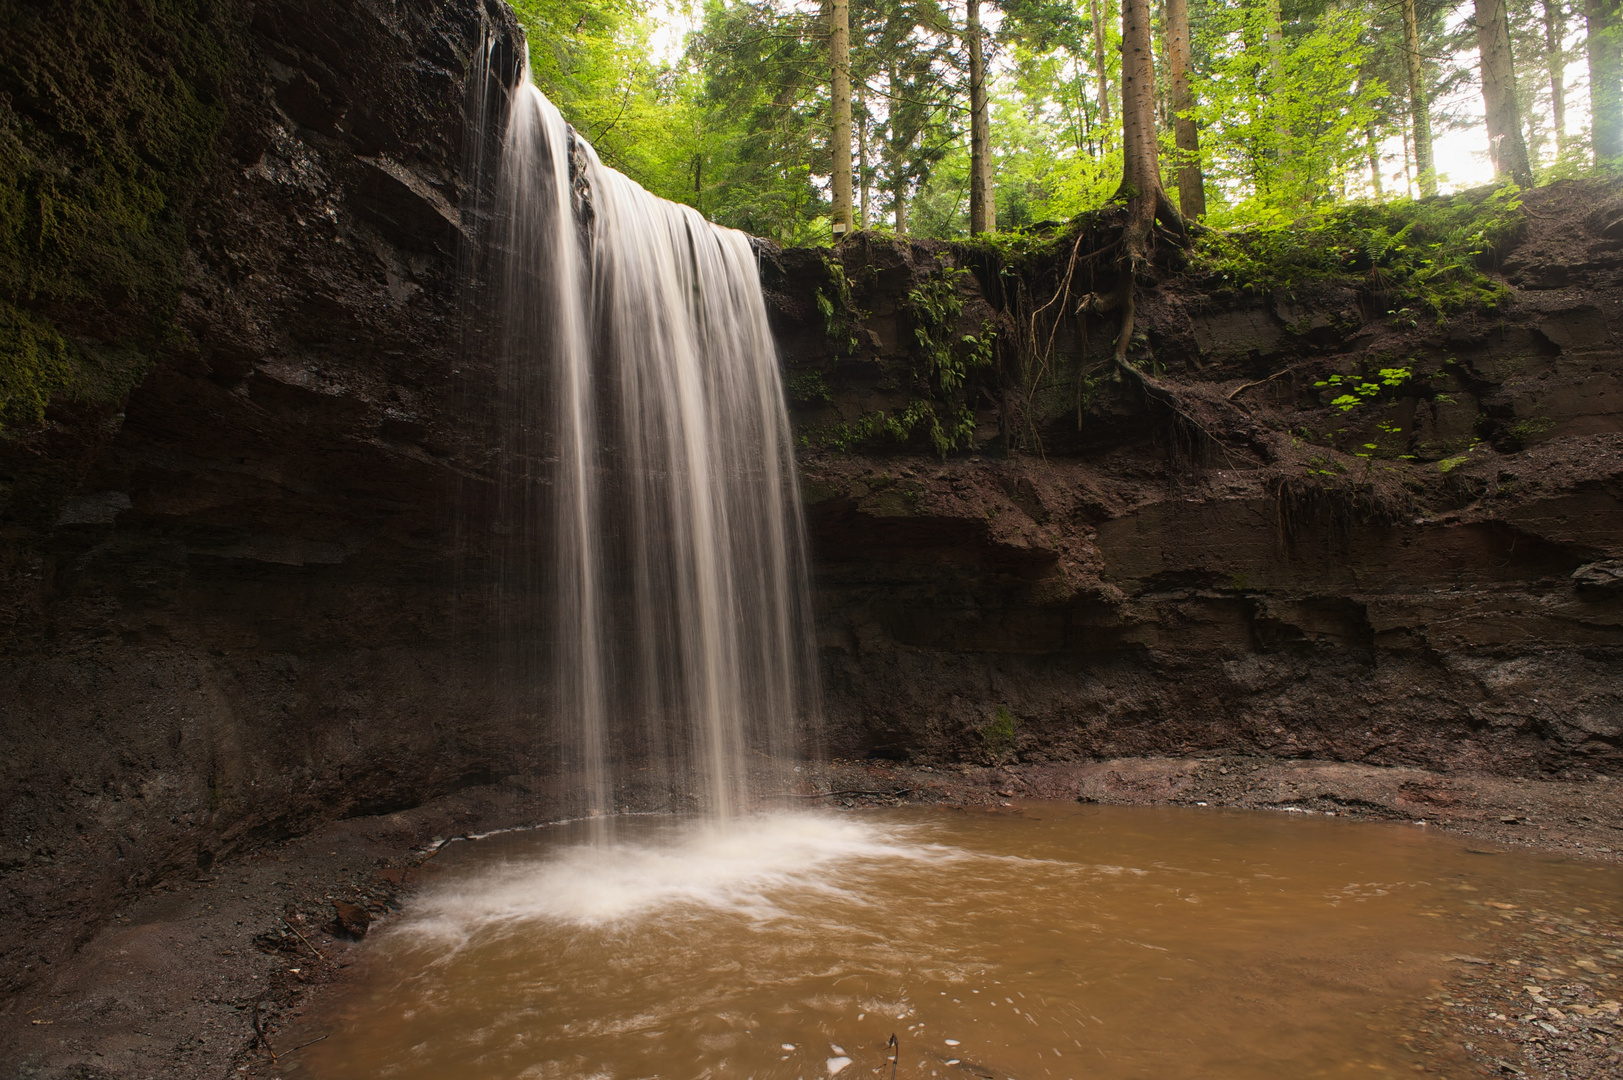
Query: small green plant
(946, 433)
(1364, 389)
(1449, 464)
(937, 305)
(839, 311)
(998, 735)
(947, 358)
(1523, 430)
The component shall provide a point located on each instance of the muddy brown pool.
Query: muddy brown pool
(1058, 940)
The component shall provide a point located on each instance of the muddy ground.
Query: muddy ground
(202, 978)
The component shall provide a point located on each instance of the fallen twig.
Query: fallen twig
(259, 1031)
(319, 954)
(301, 1046)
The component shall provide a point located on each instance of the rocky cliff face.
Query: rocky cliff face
(230, 604)
(243, 549)
(1221, 557)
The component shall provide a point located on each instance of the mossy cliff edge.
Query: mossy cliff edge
(110, 111)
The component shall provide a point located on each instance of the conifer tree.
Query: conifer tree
(839, 47)
(982, 204)
(1605, 78)
(1506, 146)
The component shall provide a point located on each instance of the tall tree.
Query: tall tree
(864, 173)
(1605, 78)
(1555, 63)
(1506, 146)
(982, 205)
(1372, 147)
(1099, 64)
(1141, 162)
(1273, 30)
(839, 48)
(1186, 133)
(1419, 99)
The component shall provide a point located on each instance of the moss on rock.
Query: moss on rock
(109, 114)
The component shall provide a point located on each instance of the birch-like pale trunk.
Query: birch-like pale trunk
(1506, 146)
(1419, 99)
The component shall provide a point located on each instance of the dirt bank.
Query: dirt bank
(174, 986)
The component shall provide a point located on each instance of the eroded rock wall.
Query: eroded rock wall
(1224, 560)
(232, 603)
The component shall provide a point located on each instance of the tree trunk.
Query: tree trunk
(1505, 144)
(1555, 60)
(1141, 165)
(1274, 33)
(1372, 147)
(1100, 67)
(839, 48)
(982, 208)
(1605, 78)
(862, 163)
(1408, 162)
(1419, 99)
(1186, 134)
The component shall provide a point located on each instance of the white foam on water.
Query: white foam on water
(742, 866)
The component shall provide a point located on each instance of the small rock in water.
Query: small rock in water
(952, 1042)
(835, 1064)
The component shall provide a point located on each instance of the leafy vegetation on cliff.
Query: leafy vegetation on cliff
(938, 410)
(1425, 257)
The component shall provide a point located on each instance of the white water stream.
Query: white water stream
(647, 489)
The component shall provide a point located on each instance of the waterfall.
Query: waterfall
(651, 579)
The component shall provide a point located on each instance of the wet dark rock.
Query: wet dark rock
(226, 598)
(1599, 577)
(351, 919)
(1226, 572)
